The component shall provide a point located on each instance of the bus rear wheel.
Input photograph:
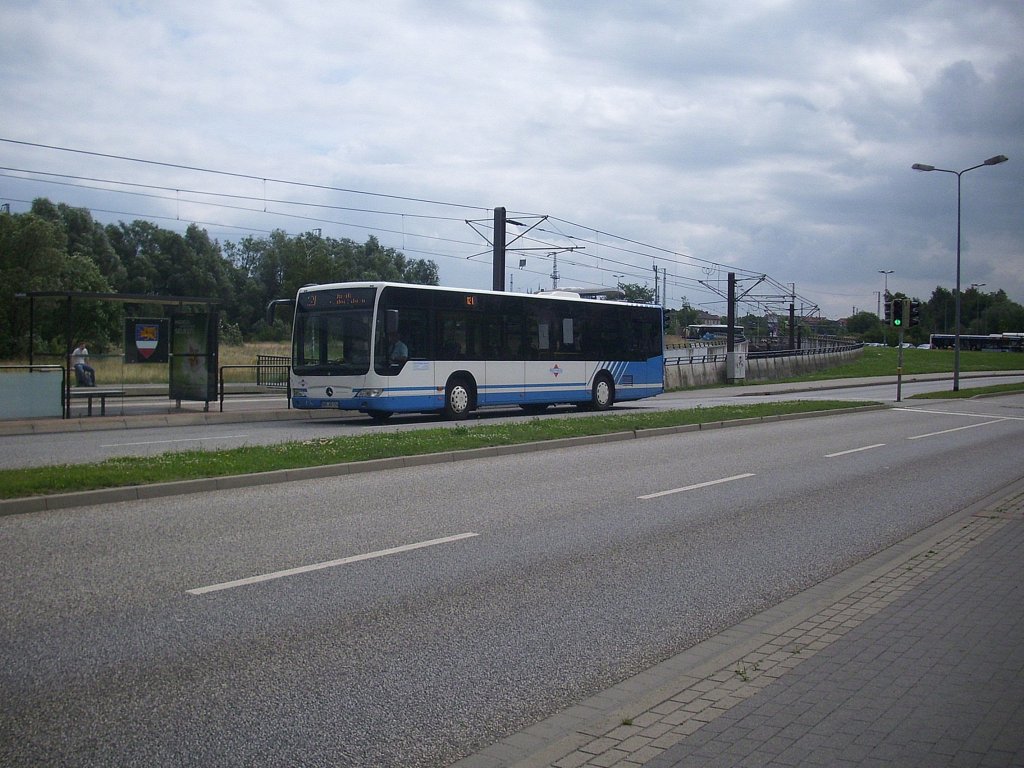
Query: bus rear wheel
(458, 399)
(602, 395)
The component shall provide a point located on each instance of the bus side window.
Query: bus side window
(512, 346)
(415, 331)
(543, 337)
(568, 338)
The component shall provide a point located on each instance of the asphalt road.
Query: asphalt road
(413, 616)
(94, 445)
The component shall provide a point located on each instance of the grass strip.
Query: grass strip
(196, 464)
(881, 361)
(948, 394)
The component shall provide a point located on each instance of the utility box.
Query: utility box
(735, 367)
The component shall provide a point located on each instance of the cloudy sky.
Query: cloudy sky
(767, 137)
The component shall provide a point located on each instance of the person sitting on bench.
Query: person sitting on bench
(84, 373)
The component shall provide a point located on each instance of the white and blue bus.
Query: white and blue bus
(994, 342)
(384, 348)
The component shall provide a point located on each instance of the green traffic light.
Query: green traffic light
(899, 312)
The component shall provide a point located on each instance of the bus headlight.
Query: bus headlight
(368, 393)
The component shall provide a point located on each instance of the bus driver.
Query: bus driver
(398, 352)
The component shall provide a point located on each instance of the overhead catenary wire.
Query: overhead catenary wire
(71, 180)
(264, 180)
(602, 263)
(179, 199)
(249, 176)
(226, 195)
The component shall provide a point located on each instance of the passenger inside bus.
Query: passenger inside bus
(398, 352)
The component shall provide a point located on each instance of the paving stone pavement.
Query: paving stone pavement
(918, 663)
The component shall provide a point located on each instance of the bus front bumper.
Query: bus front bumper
(391, 404)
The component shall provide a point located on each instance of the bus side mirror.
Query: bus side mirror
(391, 320)
(273, 305)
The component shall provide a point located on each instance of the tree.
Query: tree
(32, 249)
(89, 238)
(1001, 315)
(938, 312)
(259, 275)
(275, 267)
(161, 262)
(136, 245)
(34, 258)
(866, 326)
(686, 315)
(421, 272)
(94, 321)
(641, 294)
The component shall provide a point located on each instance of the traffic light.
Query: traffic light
(915, 313)
(667, 318)
(897, 312)
(888, 311)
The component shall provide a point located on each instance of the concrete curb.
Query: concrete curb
(180, 487)
(176, 419)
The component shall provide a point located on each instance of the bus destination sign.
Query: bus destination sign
(327, 299)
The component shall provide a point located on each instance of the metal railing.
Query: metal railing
(272, 371)
(804, 352)
(680, 360)
(269, 375)
(695, 352)
(32, 368)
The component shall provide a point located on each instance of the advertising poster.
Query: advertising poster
(146, 340)
(194, 356)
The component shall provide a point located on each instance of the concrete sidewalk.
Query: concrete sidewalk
(915, 657)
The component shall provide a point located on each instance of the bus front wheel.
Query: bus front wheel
(458, 399)
(602, 396)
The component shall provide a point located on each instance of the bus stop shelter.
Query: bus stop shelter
(199, 343)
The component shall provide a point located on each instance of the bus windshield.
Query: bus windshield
(332, 332)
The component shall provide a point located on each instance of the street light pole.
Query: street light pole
(956, 296)
(886, 272)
